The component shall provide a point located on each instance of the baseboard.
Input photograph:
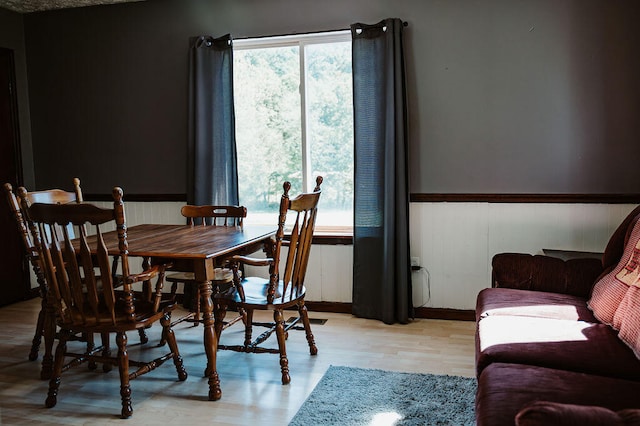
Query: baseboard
(445, 314)
(427, 313)
(336, 307)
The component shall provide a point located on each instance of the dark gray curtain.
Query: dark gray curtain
(212, 168)
(381, 259)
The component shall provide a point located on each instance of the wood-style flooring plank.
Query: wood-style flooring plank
(252, 392)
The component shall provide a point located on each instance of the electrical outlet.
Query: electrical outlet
(415, 261)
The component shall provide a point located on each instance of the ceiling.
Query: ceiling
(27, 6)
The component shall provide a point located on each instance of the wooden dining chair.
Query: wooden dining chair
(86, 295)
(205, 215)
(45, 326)
(285, 286)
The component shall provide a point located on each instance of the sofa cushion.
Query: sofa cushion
(507, 301)
(505, 389)
(545, 273)
(568, 345)
(545, 413)
(611, 288)
(627, 319)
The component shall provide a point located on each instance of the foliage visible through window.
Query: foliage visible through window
(294, 121)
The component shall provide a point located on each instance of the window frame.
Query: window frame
(340, 233)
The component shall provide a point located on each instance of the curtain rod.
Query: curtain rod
(291, 34)
(404, 24)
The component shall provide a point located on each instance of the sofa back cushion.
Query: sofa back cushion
(611, 288)
(545, 273)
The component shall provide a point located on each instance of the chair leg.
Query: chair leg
(54, 382)
(37, 337)
(219, 312)
(143, 336)
(88, 337)
(169, 336)
(248, 326)
(162, 341)
(49, 334)
(146, 295)
(123, 367)
(106, 352)
(243, 315)
(174, 289)
(304, 315)
(278, 317)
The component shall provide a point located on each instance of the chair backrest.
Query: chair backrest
(80, 282)
(56, 196)
(214, 215)
(51, 196)
(302, 226)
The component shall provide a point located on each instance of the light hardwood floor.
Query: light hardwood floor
(252, 392)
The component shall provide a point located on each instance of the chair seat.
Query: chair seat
(144, 315)
(255, 291)
(221, 275)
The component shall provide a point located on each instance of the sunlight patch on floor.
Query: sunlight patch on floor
(385, 419)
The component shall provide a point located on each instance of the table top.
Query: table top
(187, 242)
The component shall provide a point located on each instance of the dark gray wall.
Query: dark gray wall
(530, 96)
(12, 37)
(527, 97)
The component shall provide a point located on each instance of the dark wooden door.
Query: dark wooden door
(14, 278)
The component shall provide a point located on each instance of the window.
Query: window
(294, 121)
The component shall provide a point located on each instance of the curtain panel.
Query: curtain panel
(381, 257)
(212, 167)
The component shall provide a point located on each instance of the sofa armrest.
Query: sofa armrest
(543, 273)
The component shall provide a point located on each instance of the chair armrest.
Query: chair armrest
(148, 274)
(543, 273)
(253, 261)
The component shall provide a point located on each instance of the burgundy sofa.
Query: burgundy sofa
(544, 355)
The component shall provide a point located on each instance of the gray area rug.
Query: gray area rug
(356, 396)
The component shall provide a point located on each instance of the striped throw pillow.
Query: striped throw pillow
(627, 319)
(611, 289)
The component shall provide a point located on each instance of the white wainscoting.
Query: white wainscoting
(454, 242)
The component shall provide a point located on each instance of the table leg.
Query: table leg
(210, 341)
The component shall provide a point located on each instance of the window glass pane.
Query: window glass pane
(330, 129)
(272, 147)
(268, 127)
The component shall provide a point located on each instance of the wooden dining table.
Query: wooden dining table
(195, 249)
